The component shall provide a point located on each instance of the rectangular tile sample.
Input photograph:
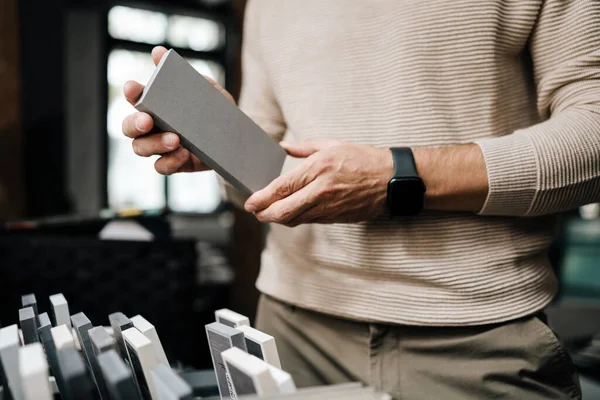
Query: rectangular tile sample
(77, 383)
(62, 337)
(45, 334)
(119, 322)
(118, 377)
(33, 369)
(169, 385)
(28, 300)
(249, 374)
(101, 341)
(60, 310)
(9, 357)
(142, 325)
(82, 326)
(28, 324)
(221, 338)
(182, 101)
(261, 345)
(142, 359)
(231, 318)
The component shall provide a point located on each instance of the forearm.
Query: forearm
(455, 177)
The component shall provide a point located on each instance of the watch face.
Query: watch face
(405, 196)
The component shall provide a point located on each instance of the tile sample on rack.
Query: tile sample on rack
(221, 338)
(9, 357)
(169, 385)
(60, 310)
(231, 318)
(118, 377)
(82, 326)
(33, 370)
(249, 374)
(261, 345)
(77, 383)
(142, 359)
(28, 324)
(119, 322)
(142, 325)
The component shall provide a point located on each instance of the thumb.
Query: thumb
(157, 54)
(308, 147)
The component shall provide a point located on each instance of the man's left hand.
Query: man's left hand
(335, 183)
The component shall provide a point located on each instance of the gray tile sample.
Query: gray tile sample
(5, 393)
(101, 341)
(28, 324)
(60, 310)
(118, 377)
(220, 338)
(144, 326)
(77, 384)
(45, 335)
(119, 322)
(9, 357)
(169, 385)
(33, 369)
(82, 326)
(215, 130)
(28, 300)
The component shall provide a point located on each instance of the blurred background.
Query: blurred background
(81, 213)
(84, 216)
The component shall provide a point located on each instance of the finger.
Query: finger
(307, 147)
(157, 54)
(158, 143)
(220, 89)
(193, 164)
(132, 90)
(281, 187)
(171, 162)
(292, 207)
(137, 124)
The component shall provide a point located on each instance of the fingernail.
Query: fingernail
(250, 208)
(169, 140)
(283, 143)
(139, 124)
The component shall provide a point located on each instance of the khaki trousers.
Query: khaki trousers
(521, 359)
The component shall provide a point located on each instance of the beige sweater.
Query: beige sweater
(519, 77)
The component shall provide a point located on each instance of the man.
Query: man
(499, 102)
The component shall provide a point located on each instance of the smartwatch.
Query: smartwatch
(405, 191)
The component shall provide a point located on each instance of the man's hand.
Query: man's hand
(174, 158)
(336, 183)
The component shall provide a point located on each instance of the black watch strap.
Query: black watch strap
(404, 163)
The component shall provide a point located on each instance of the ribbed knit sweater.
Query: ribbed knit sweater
(521, 78)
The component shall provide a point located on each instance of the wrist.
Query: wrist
(455, 177)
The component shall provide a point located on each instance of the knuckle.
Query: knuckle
(283, 189)
(285, 214)
(325, 191)
(325, 163)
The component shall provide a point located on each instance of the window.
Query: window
(132, 181)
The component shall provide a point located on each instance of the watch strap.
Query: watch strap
(404, 163)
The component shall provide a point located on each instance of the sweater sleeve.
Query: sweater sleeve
(555, 165)
(257, 98)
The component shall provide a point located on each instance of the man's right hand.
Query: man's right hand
(173, 157)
